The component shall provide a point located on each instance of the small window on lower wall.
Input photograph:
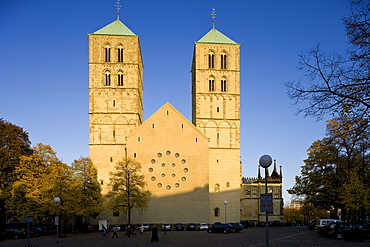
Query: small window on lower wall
(217, 188)
(101, 182)
(228, 184)
(217, 212)
(116, 214)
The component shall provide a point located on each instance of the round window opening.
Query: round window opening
(186, 170)
(159, 155)
(152, 161)
(173, 175)
(150, 169)
(173, 165)
(159, 185)
(163, 175)
(177, 155)
(163, 164)
(168, 152)
(168, 187)
(183, 161)
(153, 178)
(177, 185)
(183, 179)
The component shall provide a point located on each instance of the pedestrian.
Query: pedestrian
(104, 230)
(141, 229)
(128, 232)
(114, 230)
(154, 234)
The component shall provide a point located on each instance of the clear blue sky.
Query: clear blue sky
(44, 66)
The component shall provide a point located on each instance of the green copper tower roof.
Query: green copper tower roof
(216, 37)
(115, 28)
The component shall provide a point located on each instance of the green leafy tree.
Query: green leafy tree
(14, 143)
(86, 189)
(127, 188)
(355, 195)
(331, 161)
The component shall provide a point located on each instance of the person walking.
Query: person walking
(114, 230)
(154, 234)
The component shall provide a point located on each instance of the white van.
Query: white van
(324, 222)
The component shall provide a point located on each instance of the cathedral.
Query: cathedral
(192, 168)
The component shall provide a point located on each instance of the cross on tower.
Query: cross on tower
(213, 14)
(118, 7)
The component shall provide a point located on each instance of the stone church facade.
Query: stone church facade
(191, 168)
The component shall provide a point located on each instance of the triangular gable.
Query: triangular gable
(163, 108)
(115, 28)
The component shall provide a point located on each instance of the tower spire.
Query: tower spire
(213, 14)
(118, 8)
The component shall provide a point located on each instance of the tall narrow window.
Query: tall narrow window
(211, 86)
(211, 60)
(120, 54)
(223, 85)
(217, 188)
(120, 79)
(107, 54)
(114, 134)
(223, 61)
(107, 79)
(217, 212)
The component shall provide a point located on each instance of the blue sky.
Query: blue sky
(44, 66)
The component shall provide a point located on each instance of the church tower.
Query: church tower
(216, 112)
(115, 94)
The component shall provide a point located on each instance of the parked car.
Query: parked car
(223, 228)
(179, 227)
(191, 227)
(237, 227)
(312, 224)
(146, 227)
(15, 233)
(341, 230)
(38, 231)
(324, 230)
(202, 226)
(323, 222)
(166, 227)
(92, 228)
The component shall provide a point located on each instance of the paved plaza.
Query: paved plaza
(252, 237)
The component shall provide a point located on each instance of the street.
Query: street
(252, 237)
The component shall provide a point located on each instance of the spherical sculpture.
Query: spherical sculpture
(265, 161)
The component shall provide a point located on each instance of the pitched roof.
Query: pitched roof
(115, 28)
(216, 37)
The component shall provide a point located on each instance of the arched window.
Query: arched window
(223, 85)
(211, 85)
(120, 54)
(228, 184)
(107, 79)
(217, 212)
(107, 54)
(120, 79)
(217, 188)
(211, 60)
(223, 61)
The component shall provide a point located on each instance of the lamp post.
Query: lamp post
(56, 221)
(225, 202)
(265, 161)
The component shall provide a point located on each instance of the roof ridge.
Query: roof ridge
(115, 28)
(216, 37)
